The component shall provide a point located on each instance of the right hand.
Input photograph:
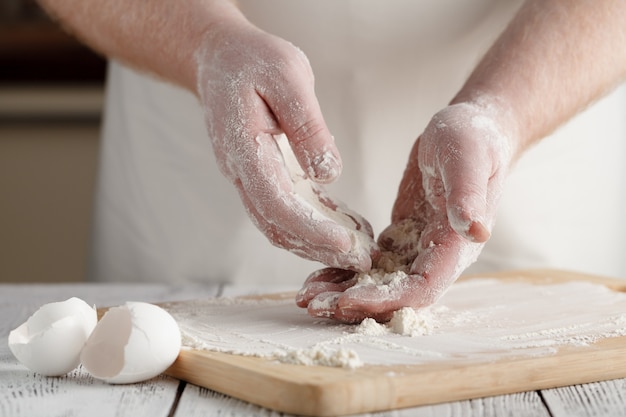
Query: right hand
(442, 217)
(254, 86)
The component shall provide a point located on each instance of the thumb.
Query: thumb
(467, 189)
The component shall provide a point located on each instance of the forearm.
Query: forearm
(554, 59)
(156, 36)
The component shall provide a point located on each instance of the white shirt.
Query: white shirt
(382, 68)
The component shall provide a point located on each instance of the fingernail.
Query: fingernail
(325, 167)
(478, 232)
(301, 296)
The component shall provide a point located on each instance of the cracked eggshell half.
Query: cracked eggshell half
(51, 340)
(132, 343)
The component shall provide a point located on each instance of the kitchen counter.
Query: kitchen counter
(23, 393)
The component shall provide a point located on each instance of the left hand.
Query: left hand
(441, 219)
(271, 141)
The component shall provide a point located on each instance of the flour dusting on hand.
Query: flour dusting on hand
(323, 206)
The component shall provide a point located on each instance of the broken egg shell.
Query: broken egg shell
(132, 343)
(51, 340)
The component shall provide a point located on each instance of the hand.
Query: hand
(442, 217)
(255, 86)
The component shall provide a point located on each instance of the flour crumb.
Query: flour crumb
(390, 273)
(406, 322)
(322, 356)
(371, 327)
(409, 322)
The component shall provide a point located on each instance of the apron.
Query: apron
(383, 68)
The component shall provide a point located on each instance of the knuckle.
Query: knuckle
(306, 131)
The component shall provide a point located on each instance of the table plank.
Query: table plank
(23, 393)
(606, 398)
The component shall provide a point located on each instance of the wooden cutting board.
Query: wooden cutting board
(325, 391)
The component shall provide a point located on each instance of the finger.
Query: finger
(269, 187)
(324, 305)
(359, 228)
(380, 301)
(373, 301)
(351, 316)
(297, 110)
(466, 205)
(324, 280)
(360, 223)
(298, 242)
(334, 275)
(308, 293)
(456, 180)
(338, 211)
(442, 259)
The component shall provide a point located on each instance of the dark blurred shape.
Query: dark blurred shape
(35, 50)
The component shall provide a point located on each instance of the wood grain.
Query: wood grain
(605, 398)
(322, 391)
(23, 393)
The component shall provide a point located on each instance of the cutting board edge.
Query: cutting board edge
(326, 396)
(572, 366)
(550, 276)
(320, 396)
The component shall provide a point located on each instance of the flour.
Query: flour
(406, 321)
(322, 356)
(388, 284)
(371, 327)
(409, 322)
(390, 272)
(402, 241)
(479, 320)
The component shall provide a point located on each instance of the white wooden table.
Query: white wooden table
(23, 393)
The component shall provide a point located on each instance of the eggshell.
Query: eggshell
(51, 340)
(132, 343)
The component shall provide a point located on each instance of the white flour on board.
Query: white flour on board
(479, 319)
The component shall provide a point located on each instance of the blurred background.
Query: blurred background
(51, 90)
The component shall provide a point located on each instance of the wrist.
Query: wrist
(224, 18)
